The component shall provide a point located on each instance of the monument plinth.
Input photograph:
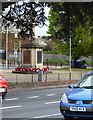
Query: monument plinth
(32, 55)
(32, 59)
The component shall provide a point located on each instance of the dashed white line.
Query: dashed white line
(48, 115)
(50, 95)
(11, 99)
(33, 97)
(9, 107)
(53, 102)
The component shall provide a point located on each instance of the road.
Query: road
(33, 104)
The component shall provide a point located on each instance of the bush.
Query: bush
(89, 63)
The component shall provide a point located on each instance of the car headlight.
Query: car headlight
(64, 98)
(92, 102)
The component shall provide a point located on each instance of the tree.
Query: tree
(64, 19)
(10, 41)
(73, 20)
(6, 4)
(61, 47)
(25, 16)
(82, 41)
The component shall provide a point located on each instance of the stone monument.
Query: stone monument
(32, 55)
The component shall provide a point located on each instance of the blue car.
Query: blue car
(77, 102)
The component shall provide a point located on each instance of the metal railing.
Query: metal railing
(42, 77)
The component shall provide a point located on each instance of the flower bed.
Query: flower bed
(30, 69)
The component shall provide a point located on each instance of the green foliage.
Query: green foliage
(54, 26)
(60, 47)
(56, 47)
(82, 41)
(89, 63)
(75, 21)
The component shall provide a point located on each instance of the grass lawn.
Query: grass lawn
(74, 69)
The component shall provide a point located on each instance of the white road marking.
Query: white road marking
(11, 99)
(0, 99)
(50, 95)
(9, 107)
(48, 115)
(52, 102)
(33, 97)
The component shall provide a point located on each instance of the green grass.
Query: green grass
(74, 69)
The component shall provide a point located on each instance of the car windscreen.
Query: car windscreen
(85, 82)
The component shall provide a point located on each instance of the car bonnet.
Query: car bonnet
(80, 94)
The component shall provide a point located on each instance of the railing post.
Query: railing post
(81, 74)
(70, 75)
(46, 77)
(40, 76)
(32, 78)
(16, 78)
(58, 76)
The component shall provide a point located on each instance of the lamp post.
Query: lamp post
(70, 58)
(15, 50)
(69, 42)
(7, 48)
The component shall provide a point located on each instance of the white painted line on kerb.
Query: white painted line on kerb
(50, 95)
(48, 115)
(9, 107)
(33, 97)
(53, 102)
(11, 99)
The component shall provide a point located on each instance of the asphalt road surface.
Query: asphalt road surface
(40, 104)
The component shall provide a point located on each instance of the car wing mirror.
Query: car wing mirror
(70, 86)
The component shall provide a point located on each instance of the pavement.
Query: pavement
(42, 85)
(10, 90)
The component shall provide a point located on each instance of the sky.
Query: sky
(41, 31)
